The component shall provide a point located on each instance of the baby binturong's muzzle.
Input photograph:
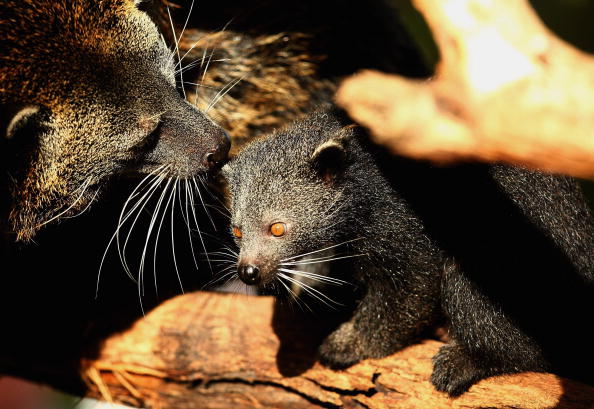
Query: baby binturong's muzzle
(249, 273)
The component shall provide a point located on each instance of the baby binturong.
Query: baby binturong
(502, 255)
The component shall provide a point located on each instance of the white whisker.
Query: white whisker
(219, 278)
(179, 201)
(182, 33)
(315, 277)
(157, 116)
(212, 53)
(321, 260)
(189, 185)
(84, 187)
(203, 205)
(140, 203)
(176, 51)
(193, 64)
(167, 202)
(221, 253)
(173, 236)
(320, 250)
(150, 230)
(187, 220)
(222, 211)
(214, 197)
(294, 296)
(85, 208)
(311, 291)
(219, 96)
(120, 222)
(207, 63)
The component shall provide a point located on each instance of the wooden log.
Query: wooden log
(209, 350)
(505, 89)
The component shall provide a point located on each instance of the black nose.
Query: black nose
(217, 156)
(249, 274)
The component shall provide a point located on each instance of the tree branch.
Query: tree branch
(506, 89)
(213, 350)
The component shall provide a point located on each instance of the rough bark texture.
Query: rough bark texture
(208, 350)
(506, 89)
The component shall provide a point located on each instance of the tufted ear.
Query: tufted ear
(24, 121)
(329, 158)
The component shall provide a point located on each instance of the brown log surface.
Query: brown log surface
(209, 350)
(505, 89)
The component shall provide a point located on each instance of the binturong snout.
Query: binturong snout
(249, 273)
(187, 141)
(216, 156)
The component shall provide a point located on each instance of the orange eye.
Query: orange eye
(236, 232)
(278, 229)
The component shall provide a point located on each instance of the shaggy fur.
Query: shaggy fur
(87, 91)
(504, 254)
(286, 57)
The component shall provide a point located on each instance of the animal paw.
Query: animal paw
(454, 371)
(341, 348)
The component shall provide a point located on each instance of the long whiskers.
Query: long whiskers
(193, 64)
(319, 260)
(190, 189)
(203, 203)
(295, 297)
(320, 250)
(138, 205)
(320, 296)
(86, 207)
(188, 197)
(211, 54)
(83, 187)
(173, 235)
(183, 30)
(228, 271)
(230, 253)
(176, 51)
(159, 234)
(315, 277)
(156, 177)
(149, 232)
(224, 92)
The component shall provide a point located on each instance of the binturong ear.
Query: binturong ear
(329, 158)
(25, 121)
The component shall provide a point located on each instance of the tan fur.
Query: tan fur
(102, 78)
(278, 79)
(288, 56)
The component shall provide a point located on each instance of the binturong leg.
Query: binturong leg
(389, 317)
(484, 341)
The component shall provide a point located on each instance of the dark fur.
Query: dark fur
(87, 91)
(504, 254)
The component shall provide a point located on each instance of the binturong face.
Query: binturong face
(87, 92)
(287, 192)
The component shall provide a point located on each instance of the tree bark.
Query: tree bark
(505, 89)
(209, 350)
